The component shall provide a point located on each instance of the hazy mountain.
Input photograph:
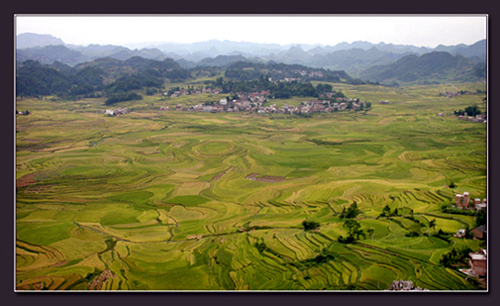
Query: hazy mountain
(221, 60)
(215, 47)
(185, 63)
(124, 54)
(97, 51)
(135, 63)
(354, 58)
(50, 54)
(294, 55)
(429, 67)
(66, 69)
(475, 50)
(141, 63)
(30, 40)
(401, 49)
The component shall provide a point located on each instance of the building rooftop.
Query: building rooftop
(477, 256)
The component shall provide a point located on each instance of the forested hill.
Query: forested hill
(244, 71)
(434, 67)
(107, 75)
(110, 75)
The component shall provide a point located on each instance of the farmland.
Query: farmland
(160, 200)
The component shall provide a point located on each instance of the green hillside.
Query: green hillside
(434, 67)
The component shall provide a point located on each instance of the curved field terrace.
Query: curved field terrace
(180, 200)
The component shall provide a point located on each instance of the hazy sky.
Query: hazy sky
(418, 30)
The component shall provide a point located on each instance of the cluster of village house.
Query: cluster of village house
(114, 112)
(478, 260)
(254, 102)
(481, 118)
(478, 264)
(184, 92)
(464, 201)
(450, 94)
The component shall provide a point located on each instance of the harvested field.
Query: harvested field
(27, 180)
(265, 178)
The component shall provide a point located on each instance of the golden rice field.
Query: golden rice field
(160, 200)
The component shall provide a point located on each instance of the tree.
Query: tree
(432, 224)
(385, 211)
(370, 231)
(455, 257)
(353, 228)
(481, 217)
(348, 239)
(352, 212)
(310, 225)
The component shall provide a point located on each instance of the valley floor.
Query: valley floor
(162, 200)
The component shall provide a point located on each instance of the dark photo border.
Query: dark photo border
(10, 9)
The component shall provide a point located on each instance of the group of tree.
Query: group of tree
(456, 257)
(353, 227)
(310, 225)
(246, 71)
(323, 257)
(354, 231)
(276, 90)
(121, 97)
(386, 212)
(470, 110)
(351, 212)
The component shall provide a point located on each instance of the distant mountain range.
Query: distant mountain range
(359, 59)
(30, 40)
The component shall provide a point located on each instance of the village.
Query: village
(479, 118)
(451, 94)
(255, 102)
(478, 260)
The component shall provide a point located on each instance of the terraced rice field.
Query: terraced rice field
(162, 201)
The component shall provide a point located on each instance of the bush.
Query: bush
(352, 212)
(455, 257)
(310, 225)
(348, 239)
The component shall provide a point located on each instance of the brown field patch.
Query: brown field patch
(28, 179)
(218, 176)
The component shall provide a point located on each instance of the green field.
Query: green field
(161, 199)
